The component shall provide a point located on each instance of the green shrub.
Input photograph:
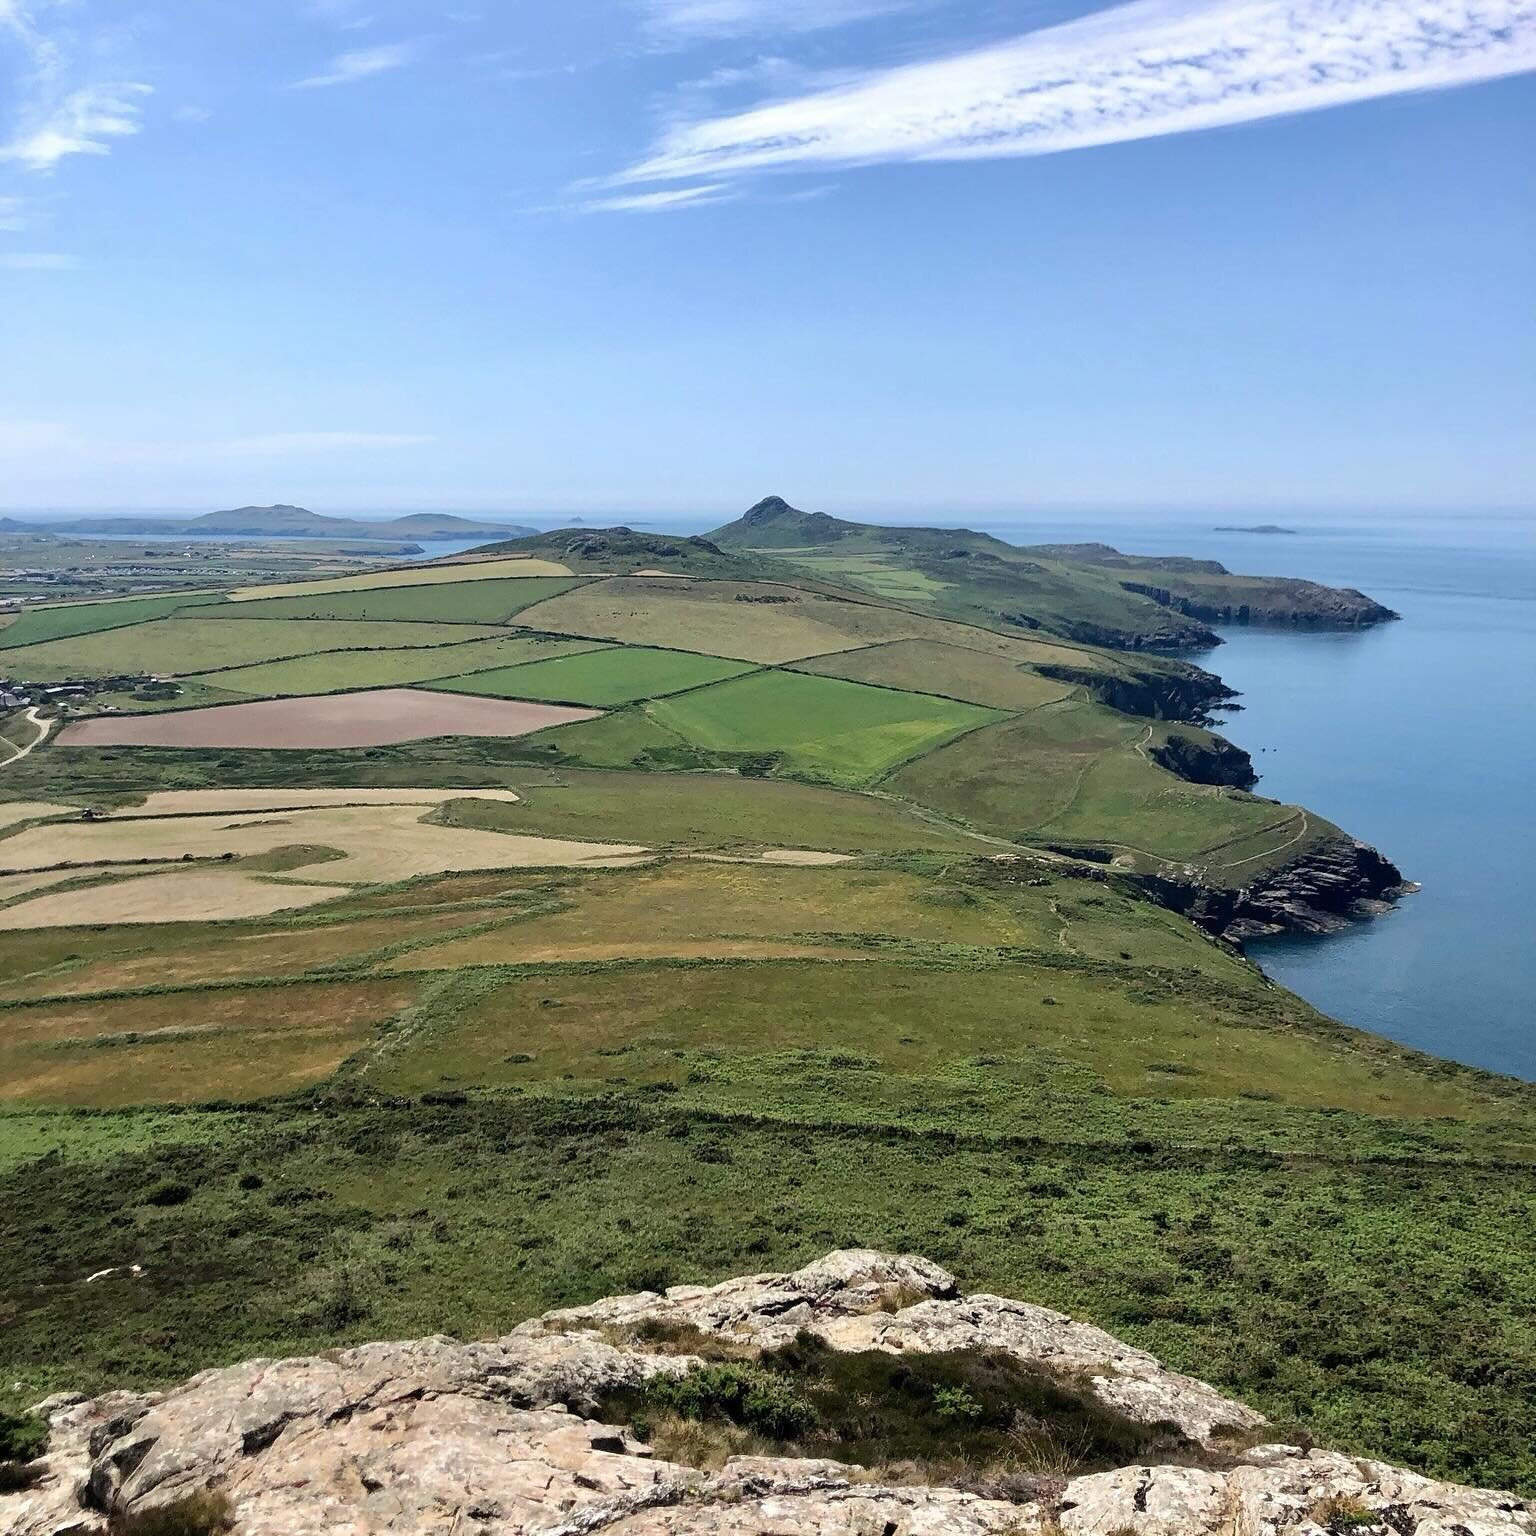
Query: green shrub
(745, 1395)
(955, 1404)
(22, 1436)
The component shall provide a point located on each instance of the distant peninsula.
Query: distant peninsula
(1252, 528)
(279, 522)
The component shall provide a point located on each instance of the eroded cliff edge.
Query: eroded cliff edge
(509, 1435)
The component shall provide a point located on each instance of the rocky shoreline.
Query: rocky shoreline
(1327, 887)
(507, 1436)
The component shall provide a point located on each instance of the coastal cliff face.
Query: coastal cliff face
(1182, 692)
(508, 1435)
(1281, 601)
(1329, 885)
(1200, 757)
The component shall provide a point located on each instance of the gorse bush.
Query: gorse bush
(746, 1395)
(23, 1436)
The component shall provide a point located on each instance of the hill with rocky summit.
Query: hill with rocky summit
(741, 1417)
(1084, 592)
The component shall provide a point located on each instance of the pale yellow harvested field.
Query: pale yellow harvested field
(808, 858)
(378, 843)
(184, 895)
(203, 802)
(506, 946)
(378, 717)
(13, 812)
(12, 886)
(417, 576)
(747, 621)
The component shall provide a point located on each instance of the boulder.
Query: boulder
(499, 1438)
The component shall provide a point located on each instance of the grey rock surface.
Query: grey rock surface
(491, 1439)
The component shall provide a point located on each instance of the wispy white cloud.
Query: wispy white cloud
(690, 19)
(667, 201)
(360, 64)
(15, 215)
(37, 261)
(58, 112)
(82, 123)
(1136, 71)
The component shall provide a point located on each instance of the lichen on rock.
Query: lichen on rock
(497, 1438)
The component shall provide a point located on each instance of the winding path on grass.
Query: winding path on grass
(44, 726)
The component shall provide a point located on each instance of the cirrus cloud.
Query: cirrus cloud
(359, 64)
(1135, 71)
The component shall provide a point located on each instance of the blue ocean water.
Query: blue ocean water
(1419, 737)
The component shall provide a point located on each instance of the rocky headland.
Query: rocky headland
(517, 1434)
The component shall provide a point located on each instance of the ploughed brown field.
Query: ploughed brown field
(377, 718)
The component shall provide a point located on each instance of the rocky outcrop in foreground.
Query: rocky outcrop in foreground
(488, 1439)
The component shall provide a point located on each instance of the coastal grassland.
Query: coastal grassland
(347, 934)
(821, 727)
(928, 666)
(407, 576)
(602, 678)
(1077, 773)
(748, 621)
(59, 622)
(1350, 1271)
(451, 602)
(976, 579)
(873, 571)
(685, 906)
(710, 811)
(189, 1047)
(343, 671)
(170, 646)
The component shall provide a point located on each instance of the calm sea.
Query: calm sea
(1419, 737)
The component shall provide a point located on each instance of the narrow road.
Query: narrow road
(43, 728)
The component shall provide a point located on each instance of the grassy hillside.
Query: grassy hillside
(778, 952)
(1086, 592)
(451, 1103)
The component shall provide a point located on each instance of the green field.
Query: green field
(709, 811)
(460, 602)
(58, 623)
(1078, 773)
(926, 666)
(601, 678)
(338, 671)
(170, 646)
(750, 621)
(819, 727)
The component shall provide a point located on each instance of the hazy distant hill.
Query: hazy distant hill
(282, 521)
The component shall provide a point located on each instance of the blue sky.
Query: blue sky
(877, 255)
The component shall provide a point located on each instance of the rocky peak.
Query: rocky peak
(505, 1436)
(769, 508)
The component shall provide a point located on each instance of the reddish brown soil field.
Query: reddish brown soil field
(376, 718)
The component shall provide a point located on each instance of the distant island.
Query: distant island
(1252, 528)
(279, 522)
